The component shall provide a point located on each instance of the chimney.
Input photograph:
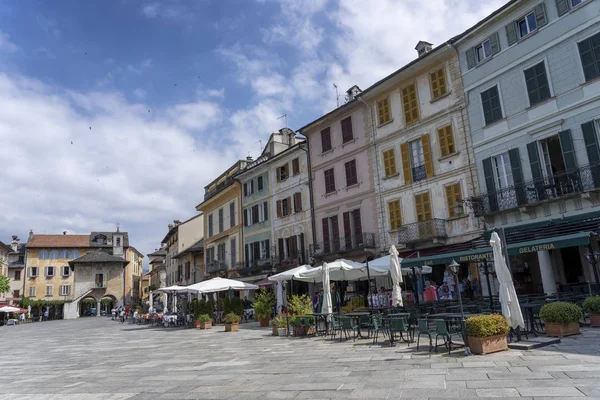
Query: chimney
(353, 92)
(30, 234)
(249, 159)
(423, 47)
(15, 243)
(64, 232)
(176, 222)
(171, 226)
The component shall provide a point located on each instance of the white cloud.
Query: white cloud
(46, 52)
(151, 10)
(140, 93)
(216, 93)
(6, 45)
(167, 10)
(195, 116)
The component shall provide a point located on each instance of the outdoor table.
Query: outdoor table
(452, 316)
(356, 316)
(400, 314)
(387, 320)
(528, 307)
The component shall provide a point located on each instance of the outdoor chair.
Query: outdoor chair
(442, 330)
(400, 325)
(365, 323)
(378, 327)
(336, 326)
(349, 325)
(424, 329)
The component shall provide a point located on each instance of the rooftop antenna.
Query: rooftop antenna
(285, 117)
(261, 148)
(117, 227)
(337, 96)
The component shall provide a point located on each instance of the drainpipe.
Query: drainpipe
(310, 192)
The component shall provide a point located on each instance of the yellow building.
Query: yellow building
(145, 287)
(222, 223)
(133, 276)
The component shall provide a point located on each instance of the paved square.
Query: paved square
(98, 359)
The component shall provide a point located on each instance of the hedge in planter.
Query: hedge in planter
(561, 318)
(205, 321)
(232, 322)
(487, 333)
(592, 306)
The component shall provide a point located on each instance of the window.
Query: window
(49, 272)
(527, 24)
(233, 251)
(221, 220)
(417, 160)
(53, 255)
(210, 225)
(259, 183)
(331, 234)
(483, 51)
(16, 293)
(232, 214)
(490, 101)
(282, 173)
(410, 105)
(383, 111)
(552, 156)
(589, 52)
(351, 178)
(389, 162)
(347, 134)
(453, 197)
(74, 254)
(118, 242)
(537, 83)
(395, 214)
(329, 181)
(437, 79)
(503, 172)
(446, 140)
(49, 290)
(43, 255)
(64, 254)
(295, 166)
(255, 216)
(326, 140)
(17, 275)
(99, 280)
(488, 47)
(179, 273)
(31, 291)
(65, 290)
(265, 209)
(285, 207)
(66, 271)
(297, 202)
(575, 3)
(33, 272)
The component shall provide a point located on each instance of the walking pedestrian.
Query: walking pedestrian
(113, 312)
(122, 315)
(46, 314)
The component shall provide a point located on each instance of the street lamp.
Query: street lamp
(454, 267)
(593, 258)
(486, 270)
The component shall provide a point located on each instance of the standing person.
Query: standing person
(122, 315)
(113, 312)
(46, 314)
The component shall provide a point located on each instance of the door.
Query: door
(99, 280)
(424, 216)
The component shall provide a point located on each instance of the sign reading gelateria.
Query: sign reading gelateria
(540, 247)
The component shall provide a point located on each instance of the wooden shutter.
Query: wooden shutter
(470, 54)
(446, 139)
(495, 42)
(566, 144)
(490, 183)
(511, 33)
(267, 249)
(517, 173)
(278, 203)
(326, 241)
(295, 166)
(251, 186)
(451, 199)
(383, 111)
(347, 134)
(591, 147)
(540, 15)
(260, 183)
(562, 6)
(302, 249)
(423, 206)
(405, 163)
(536, 169)
(347, 231)
(245, 218)
(277, 174)
(427, 155)
(280, 248)
(395, 214)
(389, 162)
(357, 225)
(266, 211)
(297, 201)
(326, 139)
(289, 206)
(245, 189)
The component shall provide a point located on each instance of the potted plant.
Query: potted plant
(487, 333)
(592, 306)
(279, 324)
(561, 318)
(263, 306)
(205, 321)
(232, 322)
(300, 306)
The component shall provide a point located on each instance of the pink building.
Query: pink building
(340, 151)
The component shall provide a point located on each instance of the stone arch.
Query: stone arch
(86, 303)
(107, 303)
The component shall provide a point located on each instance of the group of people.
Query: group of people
(469, 288)
(120, 313)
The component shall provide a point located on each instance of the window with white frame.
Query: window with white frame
(417, 160)
(502, 171)
(66, 270)
(49, 290)
(31, 291)
(49, 272)
(527, 24)
(65, 290)
(484, 50)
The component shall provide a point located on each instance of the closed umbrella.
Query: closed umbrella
(327, 307)
(396, 277)
(507, 294)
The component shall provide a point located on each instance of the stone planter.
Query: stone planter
(231, 327)
(561, 330)
(486, 345)
(206, 325)
(281, 331)
(264, 321)
(197, 324)
(595, 320)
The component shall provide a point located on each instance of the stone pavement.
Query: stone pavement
(98, 359)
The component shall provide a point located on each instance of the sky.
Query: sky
(121, 111)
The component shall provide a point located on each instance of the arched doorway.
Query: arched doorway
(107, 303)
(87, 307)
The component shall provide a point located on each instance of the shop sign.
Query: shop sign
(475, 257)
(539, 247)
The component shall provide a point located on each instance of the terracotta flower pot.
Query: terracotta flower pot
(274, 330)
(206, 325)
(595, 320)
(561, 330)
(197, 324)
(264, 321)
(486, 345)
(231, 327)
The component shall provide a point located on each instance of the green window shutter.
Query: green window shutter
(511, 33)
(540, 15)
(495, 43)
(536, 170)
(562, 6)
(490, 184)
(517, 172)
(470, 58)
(589, 52)
(591, 146)
(566, 145)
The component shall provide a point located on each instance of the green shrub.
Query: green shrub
(592, 305)
(279, 321)
(300, 305)
(561, 312)
(482, 326)
(263, 303)
(232, 318)
(195, 305)
(233, 305)
(204, 318)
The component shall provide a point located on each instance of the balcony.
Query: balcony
(216, 266)
(532, 193)
(342, 245)
(220, 186)
(422, 231)
(419, 173)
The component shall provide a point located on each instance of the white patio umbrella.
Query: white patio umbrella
(220, 285)
(507, 294)
(10, 309)
(342, 270)
(327, 305)
(290, 273)
(171, 289)
(384, 263)
(396, 277)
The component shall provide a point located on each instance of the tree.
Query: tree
(4, 284)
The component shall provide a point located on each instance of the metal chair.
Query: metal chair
(401, 326)
(424, 329)
(348, 324)
(442, 330)
(378, 327)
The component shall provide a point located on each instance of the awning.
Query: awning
(254, 278)
(485, 253)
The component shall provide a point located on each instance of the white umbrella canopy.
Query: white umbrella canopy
(220, 285)
(171, 289)
(507, 294)
(384, 263)
(396, 277)
(9, 309)
(342, 270)
(290, 273)
(327, 305)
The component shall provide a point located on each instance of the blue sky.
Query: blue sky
(120, 111)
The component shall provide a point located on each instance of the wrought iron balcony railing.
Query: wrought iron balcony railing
(422, 230)
(583, 179)
(419, 173)
(216, 266)
(220, 186)
(342, 244)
